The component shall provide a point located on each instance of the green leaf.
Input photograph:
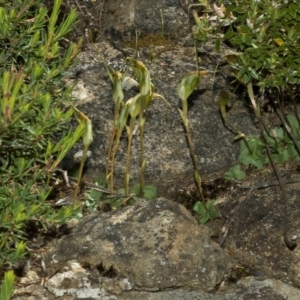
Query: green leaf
(118, 94)
(123, 117)
(143, 76)
(204, 219)
(223, 101)
(117, 202)
(21, 250)
(7, 287)
(293, 122)
(95, 195)
(279, 132)
(235, 172)
(206, 211)
(134, 105)
(259, 163)
(292, 151)
(135, 189)
(218, 45)
(229, 34)
(199, 208)
(254, 155)
(149, 192)
(187, 85)
(121, 191)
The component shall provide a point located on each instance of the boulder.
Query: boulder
(156, 245)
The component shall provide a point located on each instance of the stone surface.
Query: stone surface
(170, 295)
(124, 19)
(256, 238)
(169, 54)
(31, 292)
(251, 288)
(74, 280)
(155, 244)
(121, 20)
(245, 289)
(166, 151)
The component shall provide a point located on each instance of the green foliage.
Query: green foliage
(184, 90)
(206, 211)
(7, 288)
(253, 151)
(283, 148)
(132, 109)
(235, 172)
(187, 85)
(265, 41)
(97, 198)
(34, 133)
(279, 141)
(149, 192)
(266, 35)
(87, 139)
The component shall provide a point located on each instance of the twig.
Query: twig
(270, 183)
(95, 187)
(288, 129)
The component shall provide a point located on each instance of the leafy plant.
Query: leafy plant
(34, 119)
(87, 139)
(184, 90)
(281, 146)
(205, 210)
(235, 172)
(7, 288)
(133, 110)
(264, 33)
(253, 150)
(265, 39)
(97, 198)
(119, 125)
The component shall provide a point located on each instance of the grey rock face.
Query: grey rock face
(166, 150)
(123, 19)
(256, 238)
(155, 244)
(251, 288)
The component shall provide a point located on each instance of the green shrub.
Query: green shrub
(34, 133)
(254, 153)
(265, 34)
(7, 287)
(265, 41)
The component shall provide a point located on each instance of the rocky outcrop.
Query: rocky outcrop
(156, 245)
(166, 151)
(151, 250)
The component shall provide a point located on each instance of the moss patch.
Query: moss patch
(151, 41)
